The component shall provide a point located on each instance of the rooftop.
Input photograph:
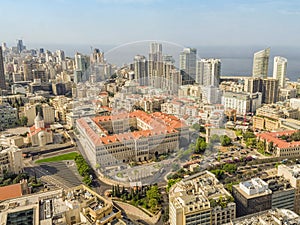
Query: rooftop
(10, 191)
(277, 141)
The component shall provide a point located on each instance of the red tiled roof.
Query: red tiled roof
(274, 137)
(10, 191)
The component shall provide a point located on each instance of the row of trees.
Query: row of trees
(83, 169)
(148, 197)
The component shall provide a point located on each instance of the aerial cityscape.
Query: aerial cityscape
(149, 122)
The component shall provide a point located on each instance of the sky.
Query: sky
(115, 22)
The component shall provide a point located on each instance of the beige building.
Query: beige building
(48, 114)
(40, 134)
(292, 173)
(281, 147)
(11, 160)
(30, 113)
(261, 63)
(137, 136)
(78, 205)
(200, 199)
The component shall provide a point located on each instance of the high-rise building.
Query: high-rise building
(20, 46)
(97, 56)
(140, 69)
(208, 72)
(187, 65)
(261, 63)
(279, 70)
(80, 62)
(60, 55)
(155, 52)
(2, 74)
(268, 87)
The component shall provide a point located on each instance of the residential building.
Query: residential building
(252, 196)
(8, 116)
(11, 160)
(187, 65)
(78, 205)
(208, 72)
(2, 73)
(295, 103)
(141, 69)
(155, 53)
(279, 70)
(273, 216)
(197, 200)
(30, 113)
(137, 136)
(292, 173)
(261, 63)
(269, 88)
(48, 114)
(242, 102)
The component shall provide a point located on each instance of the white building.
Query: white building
(261, 63)
(208, 72)
(242, 102)
(295, 103)
(11, 160)
(279, 70)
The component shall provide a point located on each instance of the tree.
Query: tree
(200, 145)
(23, 121)
(215, 138)
(225, 140)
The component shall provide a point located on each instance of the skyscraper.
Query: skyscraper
(187, 64)
(20, 46)
(2, 75)
(155, 52)
(140, 69)
(208, 72)
(279, 70)
(261, 63)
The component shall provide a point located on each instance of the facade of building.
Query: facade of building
(137, 136)
(2, 74)
(261, 63)
(279, 70)
(281, 147)
(197, 200)
(40, 133)
(8, 116)
(187, 65)
(292, 174)
(274, 217)
(252, 196)
(141, 69)
(208, 72)
(78, 205)
(11, 160)
(269, 88)
(155, 53)
(242, 102)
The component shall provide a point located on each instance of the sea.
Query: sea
(236, 60)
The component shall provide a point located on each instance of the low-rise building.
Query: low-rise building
(78, 205)
(137, 136)
(200, 199)
(277, 143)
(274, 217)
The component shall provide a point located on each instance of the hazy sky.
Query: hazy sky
(190, 23)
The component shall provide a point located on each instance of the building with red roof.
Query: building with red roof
(125, 137)
(281, 146)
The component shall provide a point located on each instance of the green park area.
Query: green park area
(67, 156)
